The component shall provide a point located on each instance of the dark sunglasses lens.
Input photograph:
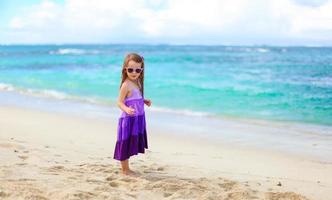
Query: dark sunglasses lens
(130, 70)
(138, 70)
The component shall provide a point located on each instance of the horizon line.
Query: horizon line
(163, 44)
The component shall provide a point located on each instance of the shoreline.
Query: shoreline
(47, 154)
(313, 141)
(97, 101)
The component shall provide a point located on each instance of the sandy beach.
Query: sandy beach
(230, 100)
(46, 155)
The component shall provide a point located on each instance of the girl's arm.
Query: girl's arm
(123, 93)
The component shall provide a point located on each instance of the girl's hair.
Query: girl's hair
(139, 59)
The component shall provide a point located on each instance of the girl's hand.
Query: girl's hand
(148, 102)
(130, 111)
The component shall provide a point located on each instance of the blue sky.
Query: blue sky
(236, 22)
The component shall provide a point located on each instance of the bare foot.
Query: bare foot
(130, 173)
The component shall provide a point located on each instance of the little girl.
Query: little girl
(132, 136)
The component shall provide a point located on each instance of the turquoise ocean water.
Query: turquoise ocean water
(260, 82)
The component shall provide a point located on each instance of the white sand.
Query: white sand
(57, 156)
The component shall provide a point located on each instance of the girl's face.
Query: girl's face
(133, 70)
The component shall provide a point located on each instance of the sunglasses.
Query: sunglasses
(131, 70)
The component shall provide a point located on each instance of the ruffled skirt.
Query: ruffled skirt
(131, 138)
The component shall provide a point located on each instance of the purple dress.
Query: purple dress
(132, 137)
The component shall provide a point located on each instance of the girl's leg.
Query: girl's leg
(125, 167)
